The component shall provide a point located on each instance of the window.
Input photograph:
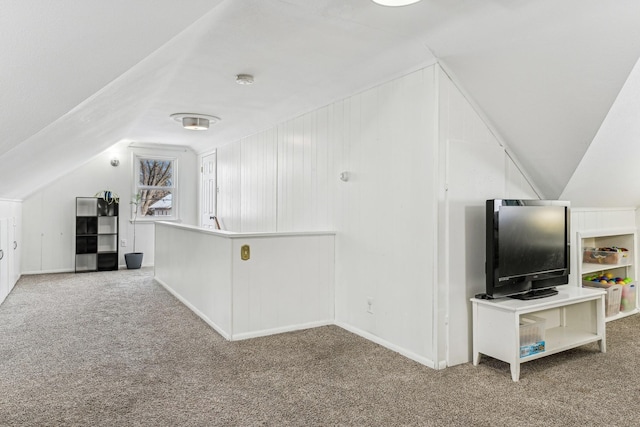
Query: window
(156, 184)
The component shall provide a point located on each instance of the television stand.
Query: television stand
(572, 318)
(536, 293)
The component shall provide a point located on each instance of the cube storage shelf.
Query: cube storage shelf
(620, 301)
(96, 234)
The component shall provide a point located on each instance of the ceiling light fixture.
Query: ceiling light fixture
(194, 121)
(394, 3)
(244, 79)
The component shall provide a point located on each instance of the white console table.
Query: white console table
(573, 318)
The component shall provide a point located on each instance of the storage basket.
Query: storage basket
(532, 338)
(612, 298)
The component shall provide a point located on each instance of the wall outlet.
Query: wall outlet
(370, 305)
(123, 243)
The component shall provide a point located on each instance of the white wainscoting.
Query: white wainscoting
(258, 165)
(287, 284)
(229, 195)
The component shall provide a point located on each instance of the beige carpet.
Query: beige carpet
(115, 349)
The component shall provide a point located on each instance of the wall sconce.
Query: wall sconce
(115, 162)
(344, 176)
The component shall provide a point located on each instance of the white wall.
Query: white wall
(384, 214)
(48, 214)
(474, 168)
(614, 148)
(228, 181)
(258, 171)
(410, 220)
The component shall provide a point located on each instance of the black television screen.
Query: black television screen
(527, 247)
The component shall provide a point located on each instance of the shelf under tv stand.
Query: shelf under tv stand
(573, 317)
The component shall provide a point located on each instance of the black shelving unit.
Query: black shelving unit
(96, 234)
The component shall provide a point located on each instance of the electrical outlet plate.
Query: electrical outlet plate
(245, 252)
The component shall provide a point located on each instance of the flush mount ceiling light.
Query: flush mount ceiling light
(395, 2)
(194, 121)
(244, 79)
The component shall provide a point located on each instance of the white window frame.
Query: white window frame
(174, 188)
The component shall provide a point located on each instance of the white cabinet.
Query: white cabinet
(16, 247)
(9, 255)
(572, 318)
(10, 245)
(623, 264)
(5, 288)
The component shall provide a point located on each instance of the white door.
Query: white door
(208, 197)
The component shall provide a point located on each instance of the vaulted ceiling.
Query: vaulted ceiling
(78, 76)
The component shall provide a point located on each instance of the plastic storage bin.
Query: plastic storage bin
(531, 335)
(594, 256)
(628, 297)
(611, 299)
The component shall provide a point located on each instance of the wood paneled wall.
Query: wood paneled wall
(258, 182)
(384, 214)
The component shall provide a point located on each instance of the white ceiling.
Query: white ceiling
(78, 76)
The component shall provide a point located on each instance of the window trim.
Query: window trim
(175, 216)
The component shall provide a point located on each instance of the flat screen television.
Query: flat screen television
(527, 247)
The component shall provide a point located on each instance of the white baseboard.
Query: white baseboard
(290, 328)
(60, 270)
(201, 315)
(280, 330)
(403, 351)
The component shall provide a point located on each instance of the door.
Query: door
(208, 197)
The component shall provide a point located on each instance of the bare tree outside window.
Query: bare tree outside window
(156, 186)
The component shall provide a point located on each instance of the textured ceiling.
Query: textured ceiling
(81, 75)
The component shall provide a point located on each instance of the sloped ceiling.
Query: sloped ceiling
(609, 172)
(81, 75)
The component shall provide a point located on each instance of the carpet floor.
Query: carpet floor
(116, 349)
